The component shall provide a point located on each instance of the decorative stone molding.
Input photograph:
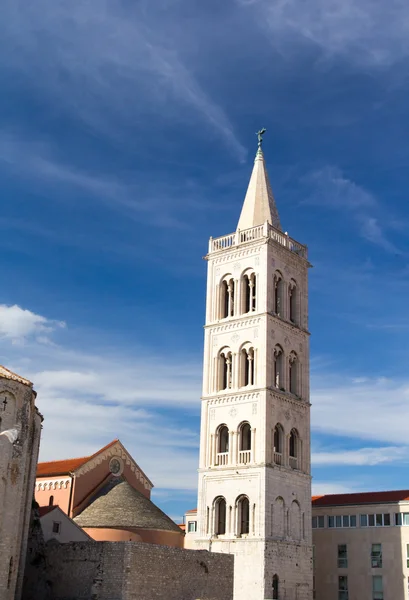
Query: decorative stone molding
(228, 326)
(54, 484)
(228, 399)
(288, 326)
(115, 451)
(234, 256)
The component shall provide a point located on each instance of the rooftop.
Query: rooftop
(64, 467)
(7, 374)
(121, 505)
(361, 498)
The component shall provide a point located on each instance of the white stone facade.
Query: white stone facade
(254, 476)
(18, 463)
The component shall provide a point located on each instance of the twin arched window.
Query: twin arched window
(286, 299)
(244, 445)
(242, 515)
(294, 447)
(226, 376)
(229, 296)
(281, 382)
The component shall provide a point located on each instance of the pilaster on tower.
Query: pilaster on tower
(254, 473)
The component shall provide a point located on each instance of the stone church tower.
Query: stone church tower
(254, 476)
(18, 462)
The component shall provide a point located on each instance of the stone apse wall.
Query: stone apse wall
(137, 571)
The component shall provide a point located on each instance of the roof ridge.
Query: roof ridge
(366, 492)
(45, 462)
(15, 375)
(48, 462)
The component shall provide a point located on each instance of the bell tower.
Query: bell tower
(254, 497)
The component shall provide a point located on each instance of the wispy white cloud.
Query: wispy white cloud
(362, 456)
(373, 409)
(331, 189)
(321, 488)
(110, 64)
(18, 325)
(367, 32)
(89, 397)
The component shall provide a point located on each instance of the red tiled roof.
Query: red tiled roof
(44, 510)
(193, 510)
(182, 526)
(360, 498)
(63, 467)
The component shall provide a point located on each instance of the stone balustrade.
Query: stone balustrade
(254, 233)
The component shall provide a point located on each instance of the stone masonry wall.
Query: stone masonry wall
(137, 571)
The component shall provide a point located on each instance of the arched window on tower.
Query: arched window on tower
(275, 587)
(227, 297)
(243, 514)
(278, 294)
(278, 436)
(293, 367)
(245, 443)
(294, 443)
(220, 516)
(278, 368)
(225, 370)
(222, 457)
(249, 292)
(292, 302)
(247, 366)
(51, 501)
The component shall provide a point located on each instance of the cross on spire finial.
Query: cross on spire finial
(259, 135)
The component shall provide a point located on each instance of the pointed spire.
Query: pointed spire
(259, 205)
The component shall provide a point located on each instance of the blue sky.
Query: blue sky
(127, 139)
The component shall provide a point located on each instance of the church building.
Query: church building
(20, 430)
(254, 498)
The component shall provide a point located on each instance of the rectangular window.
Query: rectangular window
(407, 555)
(377, 587)
(342, 556)
(405, 518)
(331, 521)
(371, 520)
(379, 520)
(352, 521)
(345, 521)
(314, 522)
(363, 520)
(321, 522)
(56, 527)
(338, 521)
(398, 518)
(342, 587)
(191, 526)
(386, 519)
(376, 556)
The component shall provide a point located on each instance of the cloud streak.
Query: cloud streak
(331, 189)
(108, 64)
(366, 32)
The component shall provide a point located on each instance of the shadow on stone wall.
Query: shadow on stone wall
(35, 583)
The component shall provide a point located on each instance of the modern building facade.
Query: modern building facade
(17, 477)
(361, 546)
(254, 498)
